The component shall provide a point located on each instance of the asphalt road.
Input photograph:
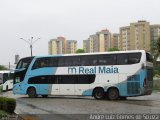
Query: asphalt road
(72, 107)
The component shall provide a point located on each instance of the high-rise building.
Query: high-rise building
(136, 36)
(86, 46)
(57, 46)
(140, 35)
(124, 38)
(116, 42)
(62, 46)
(99, 42)
(71, 46)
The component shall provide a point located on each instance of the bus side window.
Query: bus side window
(122, 59)
(61, 62)
(69, 61)
(107, 59)
(76, 61)
(84, 61)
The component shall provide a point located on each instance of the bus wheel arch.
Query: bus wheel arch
(113, 93)
(31, 91)
(98, 93)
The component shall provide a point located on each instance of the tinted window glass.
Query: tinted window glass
(45, 62)
(5, 77)
(85, 79)
(66, 79)
(24, 63)
(128, 58)
(69, 61)
(42, 80)
(84, 60)
(88, 60)
(77, 61)
(149, 57)
(107, 59)
(134, 58)
(61, 62)
(53, 62)
(92, 60)
(62, 79)
(40, 62)
(122, 59)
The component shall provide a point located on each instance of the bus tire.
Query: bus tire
(32, 92)
(113, 94)
(99, 93)
(44, 96)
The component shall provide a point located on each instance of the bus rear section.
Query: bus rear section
(148, 81)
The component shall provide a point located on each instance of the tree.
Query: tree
(156, 49)
(3, 67)
(113, 49)
(80, 51)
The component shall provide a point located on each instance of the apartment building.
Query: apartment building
(115, 42)
(57, 46)
(124, 43)
(86, 46)
(99, 42)
(136, 36)
(62, 46)
(71, 46)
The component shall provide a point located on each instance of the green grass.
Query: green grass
(3, 114)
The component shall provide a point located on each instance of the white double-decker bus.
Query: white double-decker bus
(113, 75)
(6, 79)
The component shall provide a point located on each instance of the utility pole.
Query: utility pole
(30, 42)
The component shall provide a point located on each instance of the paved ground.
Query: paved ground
(56, 105)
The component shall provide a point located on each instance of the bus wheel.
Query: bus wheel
(113, 94)
(44, 96)
(99, 93)
(32, 92)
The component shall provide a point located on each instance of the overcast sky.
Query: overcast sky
(73, 19)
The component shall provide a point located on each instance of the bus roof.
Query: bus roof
(112, 52)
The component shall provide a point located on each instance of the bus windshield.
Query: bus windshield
(24, 63)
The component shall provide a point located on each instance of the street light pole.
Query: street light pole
(30, 42)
